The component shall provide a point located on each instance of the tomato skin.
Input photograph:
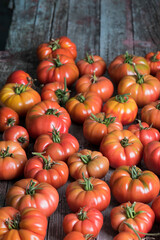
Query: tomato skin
(32, 224)
(142, 221)
(101, 85)
(158, 75)
(20, 77)
(86, 220)
(82, 105)
(44, 197)
(95, 127)
(8, 118)
(134, 185)
(156, 208)
(76, 235)
(93, 165)
(39, 116)
(121, 147)
(125, 236)
(153, 60)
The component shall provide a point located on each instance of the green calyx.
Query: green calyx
(13, 223)
(32, 187)
(80, 98)
(47, 162)
(82, 215)
(62, 95)
(54, 44)
(22, 139)
(10, 122)
(5, 153)
(122, 98)
(52, 111)
(20, 89)
(85, 158)
(87, 185)
(125, 142)
(57, 62)
(128, 58)
(93, 78)
(135, 172)
(130, 212)
(89, 58)
(105, 121)
(141, 126)
(140, 77)
(56, 136)
(154, 58)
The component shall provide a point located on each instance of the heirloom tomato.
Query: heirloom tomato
(158, 75)
(121, 147)
(78, 236)
(8, 118)
(20, 77)
(30, 193)
(153, 60)
(156, 208)
(126, 236)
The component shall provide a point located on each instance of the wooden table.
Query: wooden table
(102, 27)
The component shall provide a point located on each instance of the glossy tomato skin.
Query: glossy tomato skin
(43, 197)
(86, 220)
(95, 127)
(122, 106)
(12, 160)
(76, 235)
(48, 114)
(90, 163)
(20, 77)
(156, 208)
(142, 221)
(134, 185)
(121, 147)
(32, 224)
(8, 118)
(125, 236)
(82, 105)
(153, 60)
(101, 85)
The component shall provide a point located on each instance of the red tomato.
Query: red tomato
(8, 118)
(78, 236)
(88, 163)
(101, 85)
(29, 193)
(12, 160)
(153, 60)
(156, 208)
(134, 185)
(20, 77)
(139, 215)
(125, 64)
(56, 69)
(27, 224)
(86, 220)
(145, 133)
(158, 75)
(92, 65)
(44, 169)
(95, 127)
(122, 106)
(121, 147)
(48, 114)
(126, 236)
(17, 134)
(82, 105)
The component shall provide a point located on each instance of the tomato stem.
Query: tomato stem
(141, 126)
(154, 58)
(130, 212)
(54, 44)
(5, 153)
(93, 78)
(85, 158)
(52, 111)
(128, 58)
(125, 142)
(20, 88)
(56, 136)
(88, 186)
(47, 162)
(140, 77)
(122, 98)
(134, 172)
(89, 58)
(62, 95)
(31, 188)
(105, 121)
(13, 223)
(22, 139)
(80, 98)
(82, 215)
(57, 62)
(10, 121)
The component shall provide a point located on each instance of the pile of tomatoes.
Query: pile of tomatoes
(46, 117)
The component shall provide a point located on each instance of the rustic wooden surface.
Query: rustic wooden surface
(103, 27)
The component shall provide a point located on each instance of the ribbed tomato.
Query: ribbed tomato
(8, 118)
(20, 77)
(153, 60)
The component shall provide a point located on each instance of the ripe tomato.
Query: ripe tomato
(122, 106)
(82, 105)
(92, 64)
(30, 193)
(125, 64)
(156, 208)
(86, 220)
(153, 60)
(89, 163)
(134, 185)
(56, 69)
(158, 75)
(95, 127)
(91, 192)
(19, 97)
(8, 118)
(126, 236)
(101, 85)
(48, 114)
(121, 147)
(44, 169)
(78, 236)
(139, 215)
(12, 160)
(28, 224)
(20, 77)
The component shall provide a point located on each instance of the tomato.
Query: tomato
(122, 106)
(30, 193)
(139, 215)
(78, 236)
(91, 192)
(151, 114)
(27, 224)
(57, 92)
(86, 220)
(12, 160)
(82, 105)
(56, 69)
(8, 118)
(121, 147)
(152, 156)
(17, 134)
(158, 75)
(58, 146)
(144, 132)
(125, 64)
(92, 64)
(134, 185)
(20, 77)
(48, 114)
(89, 163)
(95, 127)
(62, 45)
(142, 88)
(18, 97)
(44, 169)
(153, 60)
(125, 236)
(101, 85)
(156, 208)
